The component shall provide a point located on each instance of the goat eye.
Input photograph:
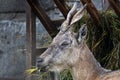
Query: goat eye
(65, 44)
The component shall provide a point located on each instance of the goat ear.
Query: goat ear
(82, 33)
(78, 15)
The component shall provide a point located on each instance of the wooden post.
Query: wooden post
(62, 7)
(93, 12)
(41, 14)
(116, 6)
(30, 38)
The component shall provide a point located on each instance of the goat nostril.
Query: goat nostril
(39, 60)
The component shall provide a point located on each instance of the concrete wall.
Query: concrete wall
(19, 5)
(12, 45)
(12, 5)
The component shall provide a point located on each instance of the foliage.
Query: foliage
(37, 72)
(32, 70)
(65, 75)
(103, 41)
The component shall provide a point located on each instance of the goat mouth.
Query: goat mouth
(44, 68)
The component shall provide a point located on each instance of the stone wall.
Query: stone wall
(12, 45)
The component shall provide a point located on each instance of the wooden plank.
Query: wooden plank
(93, 12)
(31, 32)
(116, 6)
(40, 13)
(31, 38)
(64, 9)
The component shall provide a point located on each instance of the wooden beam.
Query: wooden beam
(40, 13)
(31, 32)
(31, 38)
(93, 12)
(117, 2)
(64, 9)
(116, 6)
